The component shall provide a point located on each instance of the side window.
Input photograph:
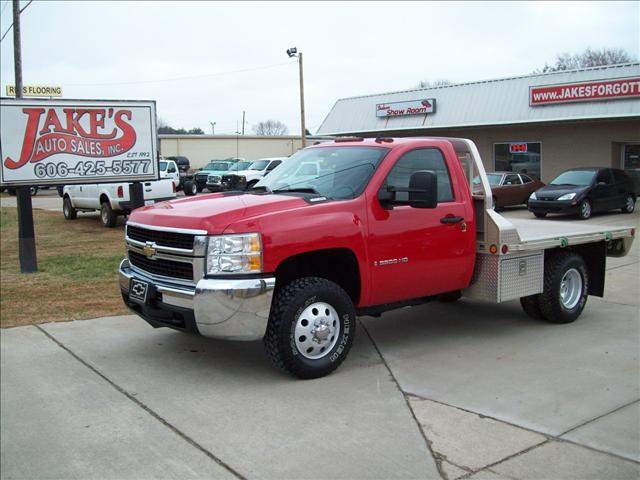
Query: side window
(273, 165)
(526, 179)
(605, 176)
(619, 176)
(422, 159)
(512, 180)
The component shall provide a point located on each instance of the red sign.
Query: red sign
(585, 91)
(517, 148)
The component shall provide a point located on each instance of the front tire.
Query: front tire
(566, 287)
(629, 204)
(107, 216)
(584, 209)
(540, 214)
(68, 211)
(311, 327)
(190, 188)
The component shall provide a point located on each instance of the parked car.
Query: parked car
(582, 191)
(169, 169)
(214, 180)
(33, 190)
(111, 199)
(509, 188)
(246, 178)
(214, 167)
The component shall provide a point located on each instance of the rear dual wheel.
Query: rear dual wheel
(565, 291)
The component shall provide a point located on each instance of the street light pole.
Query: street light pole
(293, 52)
(302, 126)
(213, 128)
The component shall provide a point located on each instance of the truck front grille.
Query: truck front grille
(163, 239)
(165, 268)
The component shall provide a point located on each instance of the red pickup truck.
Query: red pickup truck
(346, 228)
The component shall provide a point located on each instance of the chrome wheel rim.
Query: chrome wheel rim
(317, 330)
(103, 214)
(630, 204)
(65, 208)
(585, 209)
(570, 288)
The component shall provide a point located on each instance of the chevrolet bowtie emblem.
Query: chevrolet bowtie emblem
(149, 249)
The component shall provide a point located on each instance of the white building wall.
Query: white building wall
(200, 149)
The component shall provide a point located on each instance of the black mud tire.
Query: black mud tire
(190, 188)
(540, 214)
(629, 204)
(531, 306)
(450, 297)
(108, 217)
(199, 188)
(288, 304)
(585, 209)
(68, 211)
(556, 267)
(33, 190)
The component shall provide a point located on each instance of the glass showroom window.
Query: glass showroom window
(519, 157)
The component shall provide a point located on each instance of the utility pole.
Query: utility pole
(26, 235)
(242, 122)
(302, 126)
(213, 128)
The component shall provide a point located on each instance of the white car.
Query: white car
(246, 179)
(111, 199)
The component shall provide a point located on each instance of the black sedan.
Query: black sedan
(582, 191)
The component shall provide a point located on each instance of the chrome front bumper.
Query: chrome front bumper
(233, 309)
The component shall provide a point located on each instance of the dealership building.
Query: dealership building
(537, 124)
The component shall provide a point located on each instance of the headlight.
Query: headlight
(567, 196)
(533, 196)
(234, 254)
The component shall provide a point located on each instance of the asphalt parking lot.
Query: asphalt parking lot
(464, 390)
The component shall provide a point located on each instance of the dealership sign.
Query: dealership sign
(47, 142)
(585, 91)
(412, 107)
(35, 91)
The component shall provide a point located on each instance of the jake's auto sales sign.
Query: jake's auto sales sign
(45, 142)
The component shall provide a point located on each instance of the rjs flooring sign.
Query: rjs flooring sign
(44, 142)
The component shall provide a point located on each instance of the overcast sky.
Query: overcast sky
(233, 54)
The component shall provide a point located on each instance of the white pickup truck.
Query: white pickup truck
(112, 199)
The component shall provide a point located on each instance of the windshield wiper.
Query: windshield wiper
(260, 188)
(298, 189)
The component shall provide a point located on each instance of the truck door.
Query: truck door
(415, 252)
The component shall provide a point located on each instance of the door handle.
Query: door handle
(451, 219)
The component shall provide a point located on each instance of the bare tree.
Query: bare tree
(443, 82)
(270, 127)
(588, 58)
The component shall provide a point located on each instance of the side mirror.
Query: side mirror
(423, 189)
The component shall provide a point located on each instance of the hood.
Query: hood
(213, 213)
(552, 192)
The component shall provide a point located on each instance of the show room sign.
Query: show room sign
(412, 107)
(35, 91)
(585, 91)
(48, 142)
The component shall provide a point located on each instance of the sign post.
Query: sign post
(26, 234)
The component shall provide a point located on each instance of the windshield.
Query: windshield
(219, 166)
(578, 178)
(259, 165)
(163, 166)
(240, 166)
(333, 172)
(494, 179)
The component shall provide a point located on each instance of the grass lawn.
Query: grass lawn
(77, 270)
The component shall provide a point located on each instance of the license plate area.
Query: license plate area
(138, 291)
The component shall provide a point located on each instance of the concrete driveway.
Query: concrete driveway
(465, 390)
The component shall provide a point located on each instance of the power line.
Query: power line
(10, 26)
(174, 79)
